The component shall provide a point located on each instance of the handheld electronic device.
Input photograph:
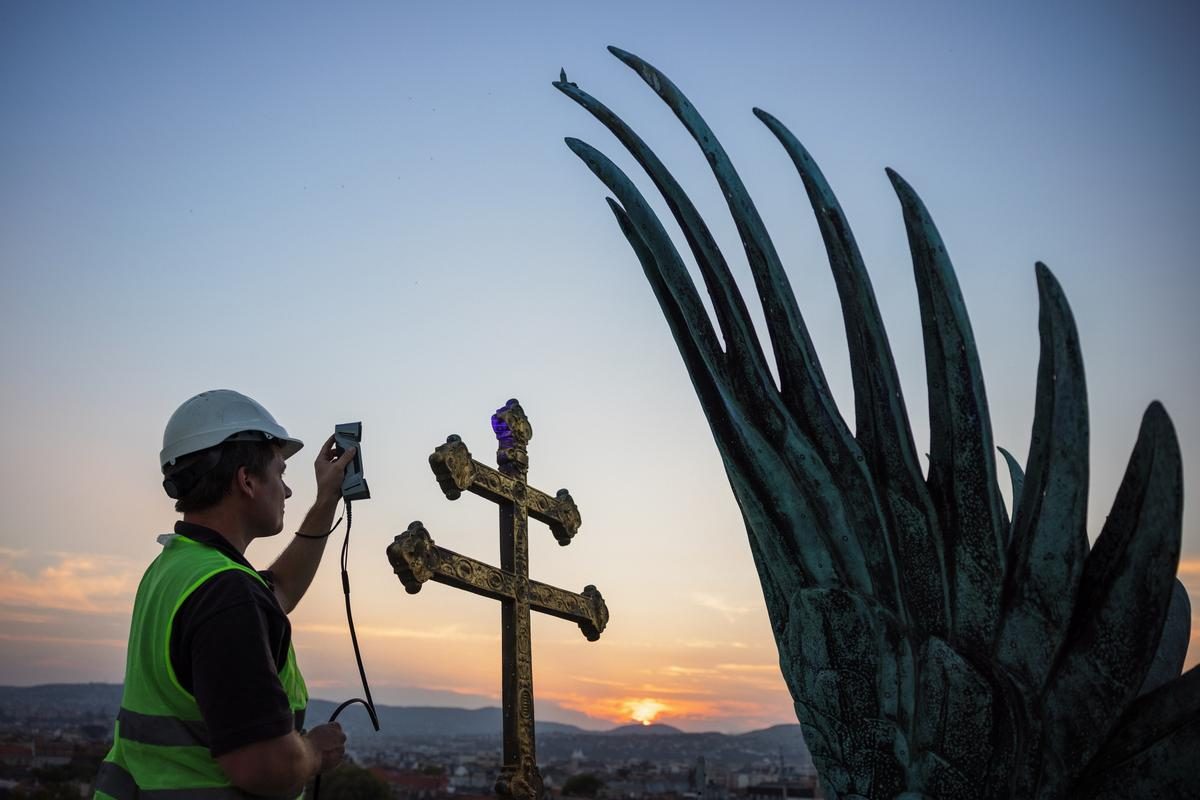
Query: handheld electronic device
(354, 485)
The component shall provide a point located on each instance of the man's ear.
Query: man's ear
(243, 483)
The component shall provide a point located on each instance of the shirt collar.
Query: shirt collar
(212, 538)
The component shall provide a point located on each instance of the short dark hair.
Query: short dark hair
(214, 484)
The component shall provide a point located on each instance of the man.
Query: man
(213, 705)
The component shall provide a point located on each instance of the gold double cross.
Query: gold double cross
(416, 559)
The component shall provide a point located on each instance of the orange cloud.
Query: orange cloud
(80, 583)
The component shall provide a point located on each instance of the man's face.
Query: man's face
(269, 502)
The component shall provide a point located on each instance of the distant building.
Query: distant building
(52, 754)
(804, 788)
(702, 786)
(411, 785)
(16, 754)
(466, 779)
(742, 779)
(36, 754)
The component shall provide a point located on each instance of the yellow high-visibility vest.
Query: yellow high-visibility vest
(160, 743)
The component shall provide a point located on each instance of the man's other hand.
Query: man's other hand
(282, 766)
(330, 743)
(330, 467)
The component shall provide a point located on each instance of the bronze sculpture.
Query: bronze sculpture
(933, 646)
(416, 559)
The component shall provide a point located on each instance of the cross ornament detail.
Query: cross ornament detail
(416, 559)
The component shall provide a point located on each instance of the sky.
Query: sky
(367, 212)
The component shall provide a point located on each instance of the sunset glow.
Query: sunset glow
(644, 710)
(687, 708)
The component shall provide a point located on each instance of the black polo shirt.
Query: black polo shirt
(229, 641)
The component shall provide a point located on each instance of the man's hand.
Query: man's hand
(281, 766)
(330, 467)
(330, 743)
(296, 565)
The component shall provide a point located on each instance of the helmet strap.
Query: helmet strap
(179, 482)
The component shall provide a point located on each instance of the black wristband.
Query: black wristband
(313, 536)
(321, 535)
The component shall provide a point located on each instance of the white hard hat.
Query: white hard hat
(211, 417)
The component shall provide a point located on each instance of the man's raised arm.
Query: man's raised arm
(295, 567)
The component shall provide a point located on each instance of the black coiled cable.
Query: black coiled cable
(369, 703)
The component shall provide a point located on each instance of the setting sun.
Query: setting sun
(644, 710)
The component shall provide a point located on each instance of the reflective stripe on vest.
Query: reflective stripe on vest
(119, 784)
(160, 730)
(160, 743)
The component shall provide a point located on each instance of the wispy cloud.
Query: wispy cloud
(682, 691)
(761, 676)
(465, 691)
(600, 682)
(68, 640)
(708, 644)
(25, 617)
(80, 583)
(447, 632)
(719, 604)
(688, 671)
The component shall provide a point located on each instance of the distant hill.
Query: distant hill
(68, 699)
(425, 721)
(643, 730)
(773, 736)
(97, 703)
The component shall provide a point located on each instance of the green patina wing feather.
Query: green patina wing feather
(933, 647)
